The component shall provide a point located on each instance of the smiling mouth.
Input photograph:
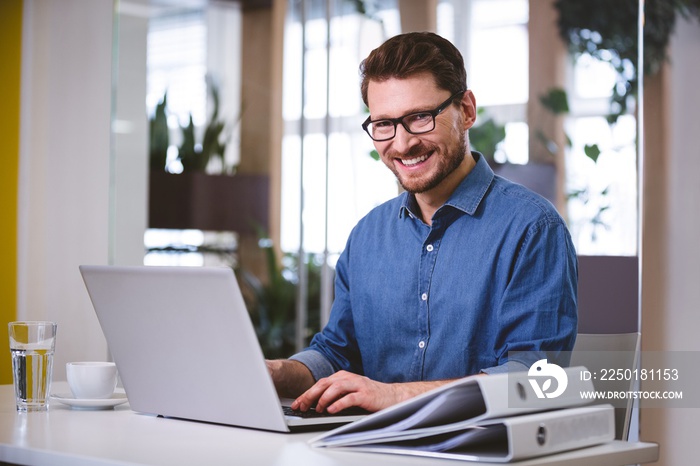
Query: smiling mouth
(414, 161)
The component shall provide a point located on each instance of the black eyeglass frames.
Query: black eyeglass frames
(414, 123)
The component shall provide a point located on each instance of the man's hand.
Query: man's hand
(344, 390)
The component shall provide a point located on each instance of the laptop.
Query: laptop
(185, 347)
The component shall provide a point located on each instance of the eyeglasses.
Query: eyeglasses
(414, 123)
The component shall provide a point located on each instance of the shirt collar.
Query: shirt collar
(468, 194)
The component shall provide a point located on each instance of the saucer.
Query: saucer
(81, 403)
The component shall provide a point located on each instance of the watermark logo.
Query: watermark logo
(545, 372)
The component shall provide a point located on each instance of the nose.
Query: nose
(403, 140)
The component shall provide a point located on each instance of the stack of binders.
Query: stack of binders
(497, 418)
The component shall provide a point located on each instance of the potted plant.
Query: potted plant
(197, 198)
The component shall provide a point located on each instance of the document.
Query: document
(495, 418)
(511, 439)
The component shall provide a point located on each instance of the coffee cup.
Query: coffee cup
(91, 380)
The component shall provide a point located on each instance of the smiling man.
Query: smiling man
(448, 278)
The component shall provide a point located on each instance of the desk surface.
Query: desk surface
(119, 436)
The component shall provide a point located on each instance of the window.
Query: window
(601, 186)
(493, 38)
(338, 181)
(186, 47)
(177, 57)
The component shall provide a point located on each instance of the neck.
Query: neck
(430, 201)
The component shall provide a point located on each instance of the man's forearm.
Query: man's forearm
(291, 378)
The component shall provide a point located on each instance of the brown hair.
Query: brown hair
(408, 54)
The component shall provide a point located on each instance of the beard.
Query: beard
(446, 163)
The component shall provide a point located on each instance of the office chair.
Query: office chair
(622, 351)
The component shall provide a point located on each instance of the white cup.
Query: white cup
(91, 380)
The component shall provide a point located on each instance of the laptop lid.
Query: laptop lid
(184, 345)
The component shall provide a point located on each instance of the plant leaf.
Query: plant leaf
(555, 101)
(592, 151)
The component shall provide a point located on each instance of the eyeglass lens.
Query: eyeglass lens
(415, 123)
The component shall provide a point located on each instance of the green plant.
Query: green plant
(556, 101)
(159, 136)
(607, 30)
(196, 157)
(486, 136)
(272, 304)
(367, 8)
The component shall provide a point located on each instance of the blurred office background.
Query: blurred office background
(105, 107)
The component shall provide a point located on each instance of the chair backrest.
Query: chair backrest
(608, 300)
(610, 351)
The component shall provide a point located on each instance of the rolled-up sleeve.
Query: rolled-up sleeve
(319, 366)
(538, 311)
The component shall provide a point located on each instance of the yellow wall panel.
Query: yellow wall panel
(10, 57)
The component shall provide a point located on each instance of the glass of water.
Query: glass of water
(32, 345)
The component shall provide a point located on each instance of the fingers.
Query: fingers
(339, 394)
(310, 397)
(334, 393)
(347, 401)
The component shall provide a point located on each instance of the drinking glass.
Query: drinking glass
(32, 345)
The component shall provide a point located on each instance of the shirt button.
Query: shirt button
(421, 345)
(429, 248)
(424, 296)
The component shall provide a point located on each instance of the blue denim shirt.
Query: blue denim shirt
(496, 272)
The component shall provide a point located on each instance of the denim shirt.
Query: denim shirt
(496, 272)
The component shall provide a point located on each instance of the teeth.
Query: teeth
(414, 161)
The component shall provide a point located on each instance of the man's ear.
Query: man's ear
(468, 104)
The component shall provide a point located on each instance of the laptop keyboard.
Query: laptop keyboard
(311, 413)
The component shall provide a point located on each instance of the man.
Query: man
(449, 277)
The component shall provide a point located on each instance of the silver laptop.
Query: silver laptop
(185, 347)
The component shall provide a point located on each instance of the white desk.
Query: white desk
(66, 437)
